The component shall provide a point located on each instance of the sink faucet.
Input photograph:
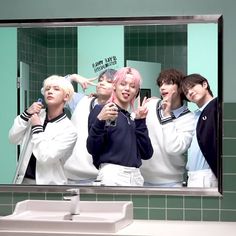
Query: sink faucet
(74, 201)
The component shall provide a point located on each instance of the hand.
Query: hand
(108, 112)
(141, 111)
(167, 104)
(84, 82)
(35, 120)
(35, 108)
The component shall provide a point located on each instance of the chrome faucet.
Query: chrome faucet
(74, 201)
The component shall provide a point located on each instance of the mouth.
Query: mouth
(101, 87)
(49, 98)
(125, 95)
(164, 94)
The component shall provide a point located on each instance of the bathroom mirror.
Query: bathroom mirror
(37, 48)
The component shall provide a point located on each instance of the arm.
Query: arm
(49, 147)
(21, 123)
(144, 145)
(177, 135)
(96, 132)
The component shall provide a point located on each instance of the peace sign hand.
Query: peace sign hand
(84, 82)
(141, 111)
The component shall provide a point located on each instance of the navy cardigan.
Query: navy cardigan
(207, 134)
(124, 144)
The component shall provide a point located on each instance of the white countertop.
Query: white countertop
(153, 228)
(182, 228)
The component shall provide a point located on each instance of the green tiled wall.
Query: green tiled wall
(47, 51)
(32, 49)
(165, 44)
(163, 207)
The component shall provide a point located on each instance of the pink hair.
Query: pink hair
(121, 75)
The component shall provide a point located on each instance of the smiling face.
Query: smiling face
(126, 85)
(197, 89)
(198, 94)
(170, 90)
(126, 91)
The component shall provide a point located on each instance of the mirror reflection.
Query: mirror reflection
(162, 54)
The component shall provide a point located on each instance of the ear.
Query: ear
(204, 84)
(66, 97)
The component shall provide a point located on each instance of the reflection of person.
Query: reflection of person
(79, 167)
(47, 136)
(170, 125)
(116, 141)
(202, 155)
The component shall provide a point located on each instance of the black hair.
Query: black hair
(191, 80)
(109, 73)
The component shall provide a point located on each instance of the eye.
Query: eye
(57, 88)
(109, 80)
(132, 85)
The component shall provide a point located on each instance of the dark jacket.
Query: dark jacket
(207, 134)
(124, 144)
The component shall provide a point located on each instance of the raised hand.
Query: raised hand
(84, 82)
(167, 104)
(141, 111)
(108, 112)
(35, 108)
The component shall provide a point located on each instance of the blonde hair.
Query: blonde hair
(121, 75)
(60, 81)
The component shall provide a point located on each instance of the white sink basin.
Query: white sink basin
(54, 216)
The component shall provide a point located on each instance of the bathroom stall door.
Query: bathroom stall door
(23, 83)
(149, 72)
(8, 98)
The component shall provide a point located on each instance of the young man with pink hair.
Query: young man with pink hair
(118, 141)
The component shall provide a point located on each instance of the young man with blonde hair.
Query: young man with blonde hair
(47, 136)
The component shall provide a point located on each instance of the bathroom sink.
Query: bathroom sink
(54, 216)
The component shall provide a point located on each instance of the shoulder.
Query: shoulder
(97, 108)
(152, 102)
(68, 125)
(211, 106)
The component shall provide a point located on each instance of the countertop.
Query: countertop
(154, 228)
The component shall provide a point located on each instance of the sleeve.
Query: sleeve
(144, 145)
(19, 127)
(207, 134)
(71, 105)
(178, 135)
(96, 132)
(48, 148)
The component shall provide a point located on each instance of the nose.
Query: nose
(162, 88)
(127, 87)
(189, 92)
(50, 90)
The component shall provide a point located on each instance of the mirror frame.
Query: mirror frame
(157, 20)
